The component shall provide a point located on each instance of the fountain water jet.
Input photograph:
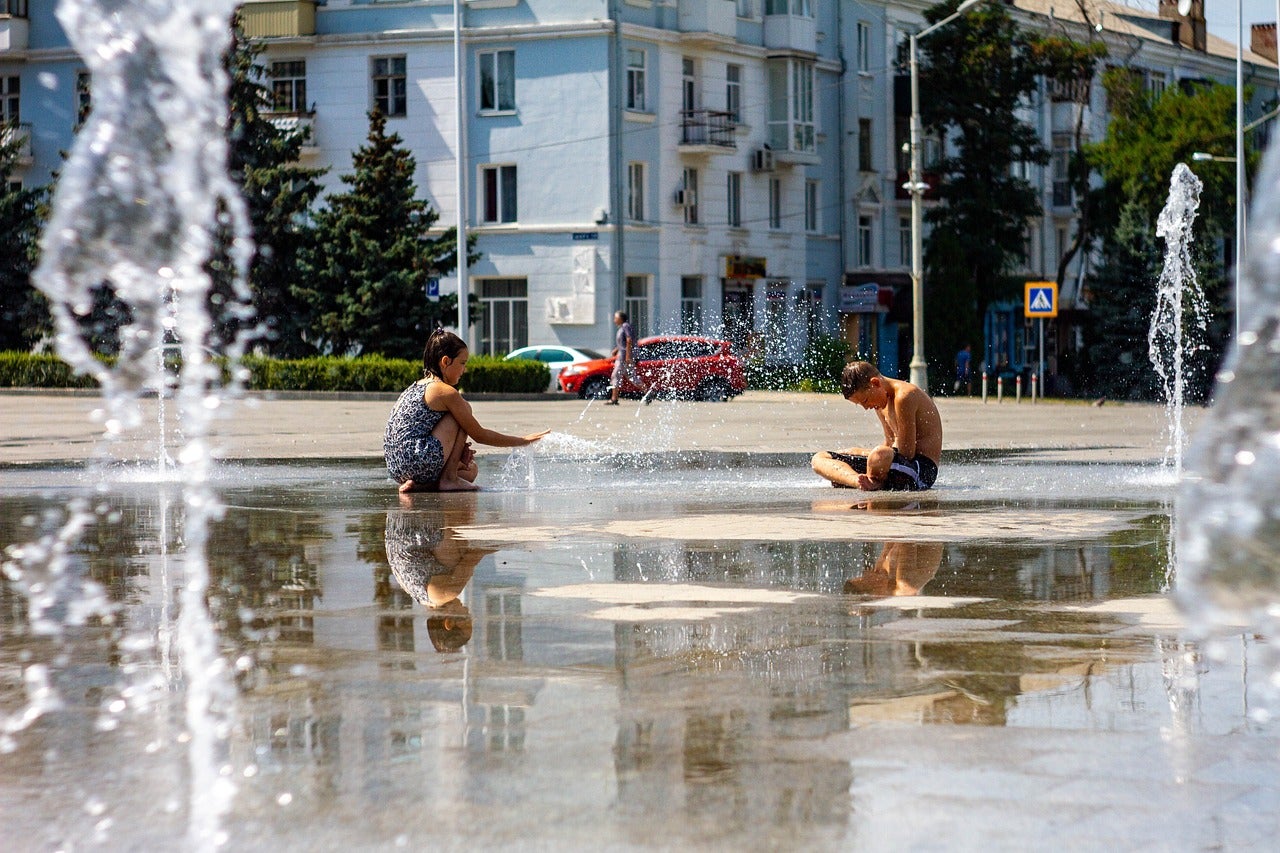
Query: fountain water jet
(136, 215)
(1229, 503)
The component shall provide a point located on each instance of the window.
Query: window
(83, 98)
(904, 240)
(498, 193)
(691, 305)
(690, 196)
(636, 303)
(746, 8)
(688, 85)
(390, 86)
(799, 8)
(1155, 83)
(864, 241)
(733, 92)
(733, 203)
(775, 203)
(497, 80)
(864, 46)
(811, 206)
(635, 79)
(791, 126)
(864, 145)
(10, 99)
(289, 86)
(635, 192)
(1061, 164)
(504, 314)
(14, 8)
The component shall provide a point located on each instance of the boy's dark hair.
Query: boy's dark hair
(622, 315)
(857, 377)
(440, 343)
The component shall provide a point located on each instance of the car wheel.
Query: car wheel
(594, 389)
(714, 391)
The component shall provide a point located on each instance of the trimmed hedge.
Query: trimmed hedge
(322, 373)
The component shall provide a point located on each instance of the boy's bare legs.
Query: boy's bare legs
(836, 471)
(878, 464)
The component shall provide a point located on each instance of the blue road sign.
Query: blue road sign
(1041, 299)
(433, 288)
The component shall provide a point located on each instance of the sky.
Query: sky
(1220, 16)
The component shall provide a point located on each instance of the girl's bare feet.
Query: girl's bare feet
(406, 487)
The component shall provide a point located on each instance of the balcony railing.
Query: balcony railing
(304, 123)
(21, 134)
(714, 128)
(278, 18)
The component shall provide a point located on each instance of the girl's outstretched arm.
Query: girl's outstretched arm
(461, 411)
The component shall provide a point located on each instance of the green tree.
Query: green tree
(979, 70)
(24, 314)
(1145, 139)
(364, 274)
(279, 193)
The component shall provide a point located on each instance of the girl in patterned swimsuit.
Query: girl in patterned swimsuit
(425, 445)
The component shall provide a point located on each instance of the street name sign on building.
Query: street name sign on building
(1041, 299)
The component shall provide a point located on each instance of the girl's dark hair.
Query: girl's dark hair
(440, 343)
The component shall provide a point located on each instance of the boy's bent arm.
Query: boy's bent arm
(888, 430)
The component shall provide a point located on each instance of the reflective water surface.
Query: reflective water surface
(593, 654)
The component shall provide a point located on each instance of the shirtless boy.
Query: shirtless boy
(908, 458)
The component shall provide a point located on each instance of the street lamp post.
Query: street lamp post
(916, 186)
(1205, 157)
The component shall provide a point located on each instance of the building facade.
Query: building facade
(724, 167)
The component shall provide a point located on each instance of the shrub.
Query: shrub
(322, 373)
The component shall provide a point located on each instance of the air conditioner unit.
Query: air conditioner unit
(686, 198)
(762, 160)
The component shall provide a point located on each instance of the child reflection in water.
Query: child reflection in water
(903, 568)
(433, 563)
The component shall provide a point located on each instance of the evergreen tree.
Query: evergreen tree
(24, 314)
(263, 160)
(980, 70)
(365, 272)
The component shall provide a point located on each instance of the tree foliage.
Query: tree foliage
(24, 314)
(279, 193)
(364, 274)
(979, 70)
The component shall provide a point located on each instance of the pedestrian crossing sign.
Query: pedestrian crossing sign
(1042, 299)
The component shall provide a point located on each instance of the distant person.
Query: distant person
(908, 458)
(625, 365)
(425, 445)
(964, 369)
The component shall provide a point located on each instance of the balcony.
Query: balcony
(14, 27)
(304, 123)
(278, 18)
(709, 20)
(21, 134)
(791, 33)
(1066, 114)
(706, 131)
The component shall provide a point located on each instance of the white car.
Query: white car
(556, 358)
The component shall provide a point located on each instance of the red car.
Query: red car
(675, 365)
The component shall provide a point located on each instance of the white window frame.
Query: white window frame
(791, 112)
(691, 305)
(635, 301)
(690, 184)
(733, 92)
(689, 95)
(394, 77)
(811, 206)
(635, 191)
(865, 243)
(636, 99)
(733, 199)
(775, 203)
(293, 83)
(10, 98)
(794, 8)
(904, 241)
(500, 87)
(499, 193)
(517, 317)
(864, 47)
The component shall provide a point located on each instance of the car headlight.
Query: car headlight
(573, 370)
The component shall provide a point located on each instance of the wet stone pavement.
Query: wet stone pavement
(650, 649)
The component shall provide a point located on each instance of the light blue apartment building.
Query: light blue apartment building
(723, 167)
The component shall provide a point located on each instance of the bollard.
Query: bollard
(1035, 387)
(984, 386)
(1017, 388)
(999, 389)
